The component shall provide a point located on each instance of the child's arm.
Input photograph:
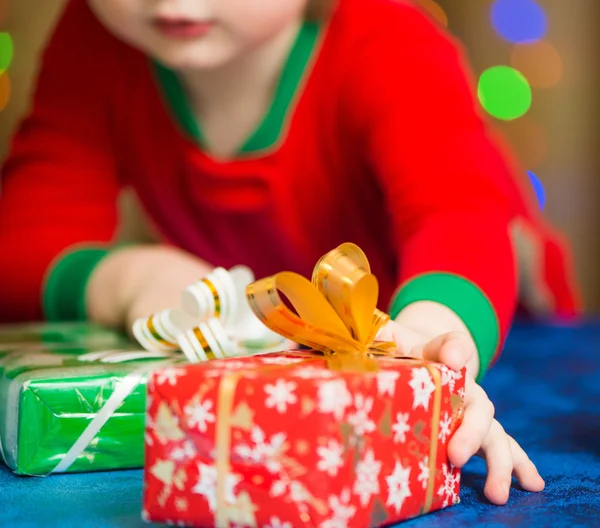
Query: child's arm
(58, 200)
(442, 175)
(415, 112)
(59, 185)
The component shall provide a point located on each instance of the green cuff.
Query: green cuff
(64, 294)
(465, 299)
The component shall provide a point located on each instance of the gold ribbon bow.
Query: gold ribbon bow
(336, 313)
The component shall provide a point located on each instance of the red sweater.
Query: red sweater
(374, 137)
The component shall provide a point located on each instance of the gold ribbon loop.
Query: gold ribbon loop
(336, 312)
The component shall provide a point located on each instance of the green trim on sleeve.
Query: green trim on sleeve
(64, 292)
(465, 299)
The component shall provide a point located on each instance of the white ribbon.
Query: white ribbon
(124, 388)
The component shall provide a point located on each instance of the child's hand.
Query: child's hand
(479, 434)
(140, 281)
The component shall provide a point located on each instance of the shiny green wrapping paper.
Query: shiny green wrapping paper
(54, 381)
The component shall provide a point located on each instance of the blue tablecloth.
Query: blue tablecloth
(547, 394)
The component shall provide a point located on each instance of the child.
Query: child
(266, 133)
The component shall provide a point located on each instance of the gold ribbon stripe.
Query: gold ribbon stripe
(226, 396)
(155, 334)
(202, 341)
(215, 295)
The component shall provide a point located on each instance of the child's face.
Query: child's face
(195, 34)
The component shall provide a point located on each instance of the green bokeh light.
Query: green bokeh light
(504, 92)
(6, 51)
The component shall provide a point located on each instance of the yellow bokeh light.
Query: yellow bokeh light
(435, 10)
(4, 90)
(539, 62)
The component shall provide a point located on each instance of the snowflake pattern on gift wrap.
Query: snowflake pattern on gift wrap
(334, 397)
(401, 427)
(313, 373)
(168, 375)
(386, 382)
(448, 489)
(171, 522)
(228, 364)
(398, 486)
(181, 504)
(149, 399)
(342, 511)
(423, 477)
(279, 487)
(367, 478)
(278, 360)
(296, 490)
(280, 395)
(449, 377)
(263, 452)
(241, 514)
(148, 438)
(445, 424)
(422, 386)
(276, 522)
(299, 493)
(207, 485)
(330, 457)
(360, 419)
(199, 414)
(183, 453)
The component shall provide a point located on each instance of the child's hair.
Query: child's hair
(319, 9)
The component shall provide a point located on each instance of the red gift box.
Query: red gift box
(285, 440)
(351, 437)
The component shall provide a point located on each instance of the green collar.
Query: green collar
(271, 128)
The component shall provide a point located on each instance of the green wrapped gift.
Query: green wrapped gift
(86, 336)
(72, 398)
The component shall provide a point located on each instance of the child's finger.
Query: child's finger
(453, 349)
(406, 340)
(477, 420)
(499, 461)
(524, 469)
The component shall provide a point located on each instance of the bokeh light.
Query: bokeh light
(538, 188)
(435, 10)
(504, 92)
(519, 21)
(540, 62)
(6, 51)
(4, 90)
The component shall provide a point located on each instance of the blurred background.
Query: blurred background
(536, 66)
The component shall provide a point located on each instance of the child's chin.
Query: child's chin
(194, 56)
